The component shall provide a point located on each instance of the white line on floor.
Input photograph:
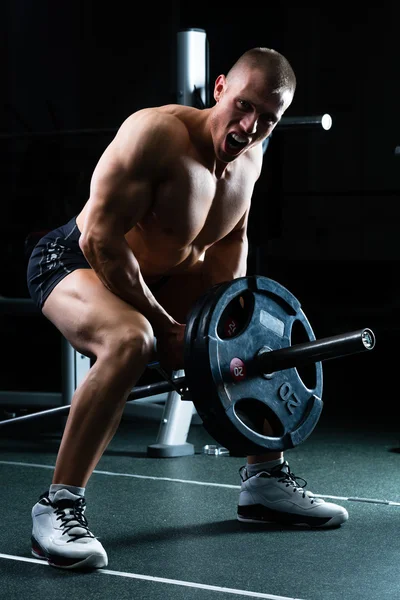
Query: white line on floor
(112, 474)
(355, 499)
(201, 586)
(206, 483)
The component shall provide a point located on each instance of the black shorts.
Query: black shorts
(56, 255)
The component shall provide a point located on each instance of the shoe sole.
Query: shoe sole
(89, 562)
(289, 521)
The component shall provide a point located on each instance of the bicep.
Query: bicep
(120, 194)
(119, 197)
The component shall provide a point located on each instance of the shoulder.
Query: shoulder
(148, 142)
(257, 155)
(253, 161)
(158, 128)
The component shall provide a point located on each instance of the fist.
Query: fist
(170, 345)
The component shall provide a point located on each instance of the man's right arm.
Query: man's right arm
(121, 193)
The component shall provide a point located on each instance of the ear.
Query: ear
(219, 87)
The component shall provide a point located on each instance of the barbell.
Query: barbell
(250, 356)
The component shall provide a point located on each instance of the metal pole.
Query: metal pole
(193, 68)
(141, 391)
(301, 122)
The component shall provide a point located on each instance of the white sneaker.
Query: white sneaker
(60, 533)
(277, 497)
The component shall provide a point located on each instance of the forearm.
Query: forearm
(118, 269)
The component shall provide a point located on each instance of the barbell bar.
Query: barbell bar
(268, 362)
(336, 346)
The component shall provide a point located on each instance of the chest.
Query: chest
(194, 205)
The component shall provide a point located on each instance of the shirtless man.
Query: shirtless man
(165, 220)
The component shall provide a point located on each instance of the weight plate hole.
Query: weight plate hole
(236, 316)
(254, 413)
(307, 372)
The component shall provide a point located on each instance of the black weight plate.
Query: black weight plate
(231, 395)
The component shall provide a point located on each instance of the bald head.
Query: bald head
(250, 100)
(277, 69)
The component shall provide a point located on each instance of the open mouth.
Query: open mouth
(235, 142)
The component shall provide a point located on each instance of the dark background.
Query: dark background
(325, 216)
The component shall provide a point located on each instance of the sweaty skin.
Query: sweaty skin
(170, 196)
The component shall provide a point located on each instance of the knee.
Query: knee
(131, 342)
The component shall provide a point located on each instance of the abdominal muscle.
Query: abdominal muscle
(159, 254)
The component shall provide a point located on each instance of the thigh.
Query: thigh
(90, 316)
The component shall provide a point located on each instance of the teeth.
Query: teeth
(239, 139)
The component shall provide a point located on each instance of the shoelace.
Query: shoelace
(290, 479)
(284, 475)
(71, 516)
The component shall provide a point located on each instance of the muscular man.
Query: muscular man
(165, 220)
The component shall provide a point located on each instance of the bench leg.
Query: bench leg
(74, 368)
(174, 427)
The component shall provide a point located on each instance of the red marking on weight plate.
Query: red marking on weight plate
(237, 369)
(230, 327)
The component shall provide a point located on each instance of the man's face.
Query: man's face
(246, 112)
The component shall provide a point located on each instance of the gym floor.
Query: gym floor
(169, 524)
